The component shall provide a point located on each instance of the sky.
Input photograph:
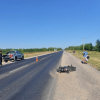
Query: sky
(48, 23)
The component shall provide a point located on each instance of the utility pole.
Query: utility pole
(73, 47)
(83, 44)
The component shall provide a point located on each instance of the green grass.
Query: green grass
(94, 59)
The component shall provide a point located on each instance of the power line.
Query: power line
(91, 34)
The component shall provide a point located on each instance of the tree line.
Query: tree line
(4, 51)
(87, 46)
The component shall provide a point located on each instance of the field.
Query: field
(94, 59)
(36, 53)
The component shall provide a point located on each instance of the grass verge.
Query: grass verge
(94, 59)
(36, 53)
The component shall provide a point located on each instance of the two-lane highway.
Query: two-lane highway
(28, 79)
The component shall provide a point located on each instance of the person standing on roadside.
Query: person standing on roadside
(1, 58)
(85, 53)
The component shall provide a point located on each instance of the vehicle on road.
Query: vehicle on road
(13, 56)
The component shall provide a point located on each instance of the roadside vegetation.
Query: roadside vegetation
(31, 54)
(87, 46)
(93, 51)
(94, 59)
(31, 50)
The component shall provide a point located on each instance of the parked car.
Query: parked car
(13, 55)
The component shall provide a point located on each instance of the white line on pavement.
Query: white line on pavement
(15, 70)
(11, 72)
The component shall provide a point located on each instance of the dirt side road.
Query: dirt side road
(83, 84)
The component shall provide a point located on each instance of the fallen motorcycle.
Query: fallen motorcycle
(66, 69)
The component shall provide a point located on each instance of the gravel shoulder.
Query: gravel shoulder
(82, 84)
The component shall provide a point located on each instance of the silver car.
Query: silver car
(13, 55)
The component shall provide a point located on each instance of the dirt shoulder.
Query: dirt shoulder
(83, 84)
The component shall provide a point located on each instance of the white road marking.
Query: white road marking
(19, 68)
(5, 63)
(15, 70)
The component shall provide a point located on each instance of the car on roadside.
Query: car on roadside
(13, 56)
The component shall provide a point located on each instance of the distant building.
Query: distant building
(55, 49)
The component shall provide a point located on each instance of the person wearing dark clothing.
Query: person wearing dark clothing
(1, 58)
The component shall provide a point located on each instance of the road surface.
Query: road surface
(83, 84)
(31, 80)
(28, 79)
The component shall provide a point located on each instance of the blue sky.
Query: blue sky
(48, 23)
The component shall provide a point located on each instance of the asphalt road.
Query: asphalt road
(28, 79)
(82, 84)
